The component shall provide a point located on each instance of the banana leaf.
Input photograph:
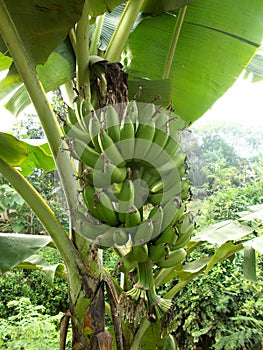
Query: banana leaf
(216, 42)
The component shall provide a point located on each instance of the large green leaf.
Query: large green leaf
(97, 8)
(223, 232)
(58, 69)
(37, 262)
(24, 155)
(255, 213)
(216, 42)
(15, 248)
(226, 250)
(39, 157)
(43, 24)
(157, 6)
(13, 151)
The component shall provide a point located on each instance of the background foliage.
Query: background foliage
(218, 311)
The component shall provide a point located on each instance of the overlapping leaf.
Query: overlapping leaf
(15, 248)
(43, 21)
(25, 156)
(37, 262)
(157, 6)
(215, 44)
(58, 69)
(13, 151)
(223, 232)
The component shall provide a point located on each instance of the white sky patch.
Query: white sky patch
(242, 103)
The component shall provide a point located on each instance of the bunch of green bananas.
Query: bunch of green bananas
(134, 188)
(130, 163)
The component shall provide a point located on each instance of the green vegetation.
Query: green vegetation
(119, 54)
(29, 327)
(219, 311)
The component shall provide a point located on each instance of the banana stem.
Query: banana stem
(173, 46)
(122, 31)
(96, 35)
(139, 335)
(27, 70)
(82, 52)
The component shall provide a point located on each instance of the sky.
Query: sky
(242, 103)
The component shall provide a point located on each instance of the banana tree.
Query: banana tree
(183, 55)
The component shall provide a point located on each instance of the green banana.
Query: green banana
(78, 101)
(158, 252)
(187, 223)
(86, 154)
(108, 176)
(89, 199)
(105, 210)
(174, 257)
(118, 174)
(186, 192)
(161, 135)
(112, 123)
(182, 239)
(94, 130)
(156, 215)
(157, 186)
(127, 138)
(106, 239)
(162, 121)
(144, 139)
(149, 177)
(168, 236)
(137, 254)
(169, 187)
(148, 113)
(133, 218)
(86, 112)
(73, 131)
(120, 237)
(111, 151)
(140, 253)
(113, 193)
(169, 211)
(164, 164)
(127, 263)
(172, 145)
(144, 232)
(71, 115)
(126, 199)
(184, 231)
(179, 213)
(161, 197)
(85, 227)
(132, 113)
(141, 192)
(87, 177)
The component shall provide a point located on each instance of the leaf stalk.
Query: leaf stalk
(122, 31)
(174, 42)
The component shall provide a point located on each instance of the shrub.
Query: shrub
(220, 311)
(19, 283)
(29, 327)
